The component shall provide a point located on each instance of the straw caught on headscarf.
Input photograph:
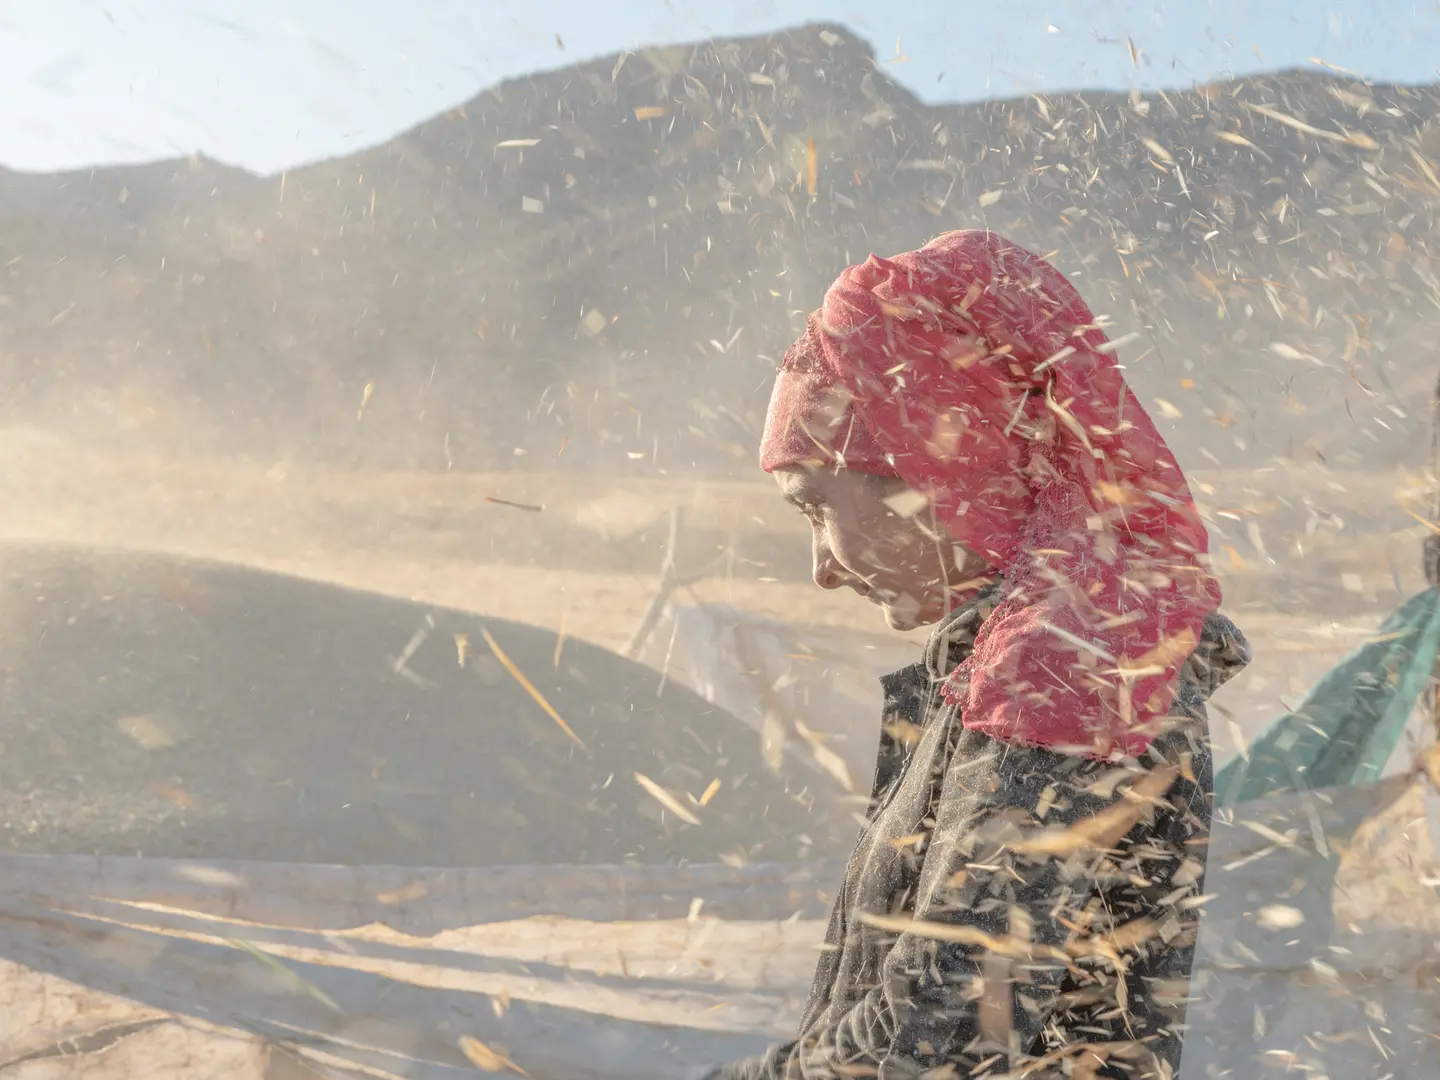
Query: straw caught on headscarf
(971, 369)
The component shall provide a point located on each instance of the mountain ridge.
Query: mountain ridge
(610, 257)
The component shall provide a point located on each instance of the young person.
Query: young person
(1023, 900)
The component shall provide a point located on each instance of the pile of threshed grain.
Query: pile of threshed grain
(156, 705)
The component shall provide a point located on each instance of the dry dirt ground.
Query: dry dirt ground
(582, 554)
(587, 563)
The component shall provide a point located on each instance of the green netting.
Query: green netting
(1349, 724)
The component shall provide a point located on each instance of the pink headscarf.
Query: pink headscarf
(973, 370)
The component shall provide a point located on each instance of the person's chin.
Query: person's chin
(898, 621)
(903, 613)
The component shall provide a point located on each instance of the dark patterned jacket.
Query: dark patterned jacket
(957, 949)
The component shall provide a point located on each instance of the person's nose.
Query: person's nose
(828, 572)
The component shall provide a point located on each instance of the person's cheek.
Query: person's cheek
(924, 557)
(905, 555)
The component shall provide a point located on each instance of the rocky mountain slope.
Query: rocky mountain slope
(597, 267)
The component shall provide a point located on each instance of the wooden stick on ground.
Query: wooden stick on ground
(669, 580)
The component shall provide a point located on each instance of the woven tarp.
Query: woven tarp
(1351, 721)
(591, 973)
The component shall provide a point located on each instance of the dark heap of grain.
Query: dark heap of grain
(178, 708)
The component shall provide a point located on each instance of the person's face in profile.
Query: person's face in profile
(861, 540)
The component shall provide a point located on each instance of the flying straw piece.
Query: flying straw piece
(560, 637)
(286, 973)
(482, 1057)
(1240, 140)
(1425, 167)
(529, 688)
(1104, 830)
(532, 507)
(1004, 945)
(665, 799)
(1354, 139)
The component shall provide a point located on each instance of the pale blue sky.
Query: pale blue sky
(271, 84)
